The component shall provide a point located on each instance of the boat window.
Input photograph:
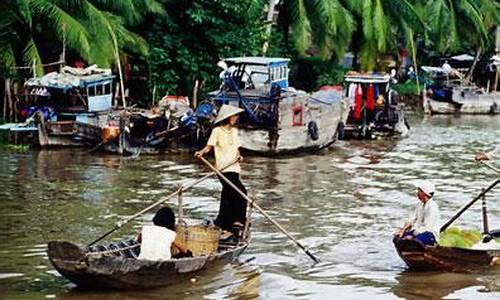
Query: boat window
(99, 89)
(107, 89)
(297, 116)
(91, 91)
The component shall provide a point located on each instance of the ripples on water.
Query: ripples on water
(343, 203)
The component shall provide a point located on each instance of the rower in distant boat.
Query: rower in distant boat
(423, 224)
(495, 153)
(156, 240)
(225, 142)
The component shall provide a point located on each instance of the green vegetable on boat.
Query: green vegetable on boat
(454, 237)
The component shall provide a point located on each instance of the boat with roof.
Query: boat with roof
(277, 118)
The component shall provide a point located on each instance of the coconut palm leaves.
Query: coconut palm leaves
(453, 21)
(85, 26)
(323, 23)
(381, 25)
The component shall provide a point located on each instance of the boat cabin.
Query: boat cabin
(72, 90)
(372, 105)
(254, 84)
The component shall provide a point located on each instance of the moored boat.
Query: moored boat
(277, 118)
(448, 93)
(172, 126)
(374, 109)
(68, 108)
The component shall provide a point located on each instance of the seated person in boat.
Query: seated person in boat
(424, 223)
(488, 155)
(157, 240)
(225, 143)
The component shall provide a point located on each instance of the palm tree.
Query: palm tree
(462, 23)
(326, 24)
(380, 25)
(453, 22)
(87, 27)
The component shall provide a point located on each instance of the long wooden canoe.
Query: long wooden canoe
(116, 265)
(438, 258)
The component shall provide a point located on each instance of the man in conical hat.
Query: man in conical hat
(225, 143)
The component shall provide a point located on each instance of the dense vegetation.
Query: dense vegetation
(175, 44)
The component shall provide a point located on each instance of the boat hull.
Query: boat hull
(486, 104)
(118, 272)
(436, 258)
(304, 125)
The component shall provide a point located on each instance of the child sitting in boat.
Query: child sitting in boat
(424, 224)
(157, 240)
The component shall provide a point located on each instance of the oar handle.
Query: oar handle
(264, 213)
(463, 209)
(179, 190)
(490, 166)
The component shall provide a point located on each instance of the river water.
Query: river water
(343, 203)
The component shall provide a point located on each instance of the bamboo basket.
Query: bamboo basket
(201, 240)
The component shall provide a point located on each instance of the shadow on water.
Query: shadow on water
(435, 285)
(223, 281)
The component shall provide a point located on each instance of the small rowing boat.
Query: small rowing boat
(115, 265)
(438, 258)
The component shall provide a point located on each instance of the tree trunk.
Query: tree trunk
(5, 102)
(269, 25)
(496, 79)
(414, 58)
(9, 100)
(195, 93)
(471, 71)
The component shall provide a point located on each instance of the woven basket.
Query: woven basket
(201, 240)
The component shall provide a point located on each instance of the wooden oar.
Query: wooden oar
(259, 209)
(490, 166)
(179, 190)
(463, 209)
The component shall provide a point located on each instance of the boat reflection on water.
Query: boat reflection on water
(233, 281)
(437, 285)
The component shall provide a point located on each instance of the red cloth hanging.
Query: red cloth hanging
(358, 102)
(370, 97)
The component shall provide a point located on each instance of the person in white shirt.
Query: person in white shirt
(225, 143)
(424, 223)
(488, 155)
(156, 240)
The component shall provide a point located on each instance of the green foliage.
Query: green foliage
(324, 24)
(34, 30)
(187, 43)
(457, 23)
(454, 237)
(312, 72)
(409, 87)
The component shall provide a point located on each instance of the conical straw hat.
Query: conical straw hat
(226, 111)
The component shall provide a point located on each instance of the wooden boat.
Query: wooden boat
(172, 126)
(116, 265)
(385, 119)
(68, 108)
(449, 94)
(464, 100)
(277, 118)
(452, 259)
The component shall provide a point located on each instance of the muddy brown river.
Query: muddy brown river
(344, 203)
